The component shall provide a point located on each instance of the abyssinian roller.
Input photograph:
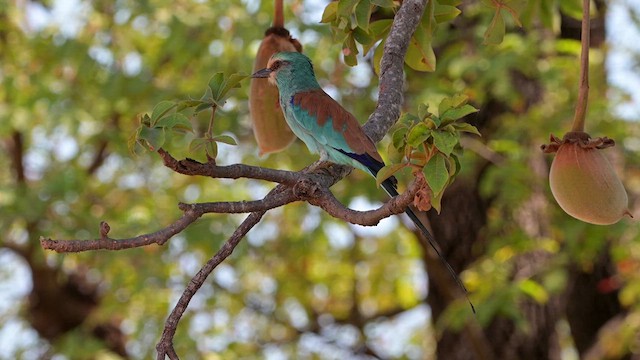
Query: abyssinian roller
(327, 128)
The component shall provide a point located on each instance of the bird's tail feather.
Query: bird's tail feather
(389, 186)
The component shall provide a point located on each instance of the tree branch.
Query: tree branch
(165, 346)
(310, 184)
(310, 187)
(105, 243)
(16, 149)
(327, 202)
(192, 167)
(102, 153)
(387, 112)
(191, 213)
(390, 96)
(238, 207)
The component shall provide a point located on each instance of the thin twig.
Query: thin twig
(243, 207)
(583, 94)
(191, 213)
(396, 205)
(209, 134)
(165, 346)
(105, 243)
(278, 14)
(17, 155)
(192, 167)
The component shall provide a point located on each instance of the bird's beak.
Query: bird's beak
(264, 73)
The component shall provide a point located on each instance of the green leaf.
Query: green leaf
(420, 55)
(548, 14)
(436, 174)
(534, 290)
(388, 171)
(343, 23)
(211, 148)
(209, 145)
(330, 12)
(418, 134)
(451, 102)
(208, 95)
(133, 142)
(408, 119)
(433, 120)
(215, 85)
(436, 202)
(176, 121)
(225, 139)
(395, 155)
(444, 13)
(151, 138)
(466, 127)
(349, 50)
(458, 113)
(232, 82)
(364, 38)
(572, 8)
(204, 106)
(423, 111)
(197, 144)
(496, 30)
(160, 110)
(380, 28)
(363, 14)
(145, 120)
(516, 8)
(445, 141)
(453, 164)
(377, 56)
(383, 3)
(345, 7)
(450, 2)
(184, 104)
(398, 137)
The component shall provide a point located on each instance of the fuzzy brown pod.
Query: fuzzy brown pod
(422, 199)
(582, 180)
(269, 127)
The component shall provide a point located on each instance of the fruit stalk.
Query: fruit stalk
(583, 95)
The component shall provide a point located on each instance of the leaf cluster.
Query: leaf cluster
(174, 117)
(523, 13)
(430, 143)
(352, 24)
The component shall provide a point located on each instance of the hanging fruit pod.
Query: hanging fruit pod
(582, 180)
(269, 127)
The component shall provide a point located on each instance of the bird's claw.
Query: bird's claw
(306, 188)
(321, 165)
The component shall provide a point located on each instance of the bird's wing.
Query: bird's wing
(333, 126)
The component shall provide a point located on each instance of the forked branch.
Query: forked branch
(307, 185)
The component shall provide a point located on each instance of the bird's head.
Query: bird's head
(286, 68)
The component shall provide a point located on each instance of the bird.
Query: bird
(330, 130)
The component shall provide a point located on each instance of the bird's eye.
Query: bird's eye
(276, 65)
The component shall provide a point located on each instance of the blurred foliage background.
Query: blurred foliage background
(76, 77)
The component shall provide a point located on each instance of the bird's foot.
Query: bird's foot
(320, 165)
(305, 188)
